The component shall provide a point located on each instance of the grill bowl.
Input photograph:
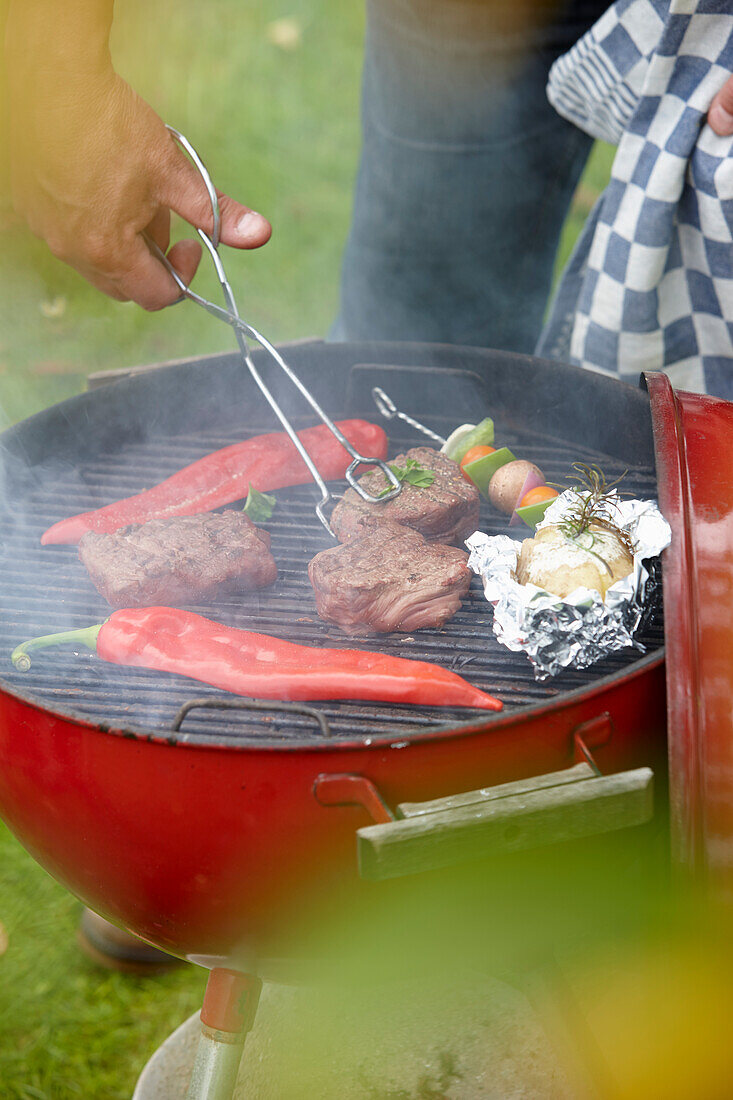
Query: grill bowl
(204, 840)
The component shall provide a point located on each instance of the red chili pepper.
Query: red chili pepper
(265, 462)
(257, 665)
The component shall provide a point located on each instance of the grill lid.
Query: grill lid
(694, 447)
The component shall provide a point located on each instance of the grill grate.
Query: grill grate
(46, 589)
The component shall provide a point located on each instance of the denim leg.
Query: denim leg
(465, 178)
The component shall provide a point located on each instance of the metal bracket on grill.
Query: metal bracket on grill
(252, 704)
(352, 790)
(591, 735)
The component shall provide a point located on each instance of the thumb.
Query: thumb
(720, 115)
(184, 191)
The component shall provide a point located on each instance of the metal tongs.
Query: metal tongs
(389, 411)
(242, 330)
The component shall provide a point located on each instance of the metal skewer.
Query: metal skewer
(389, 411)
(242, 330)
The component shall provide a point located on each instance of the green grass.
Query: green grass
(279, 130)
(67, 1028)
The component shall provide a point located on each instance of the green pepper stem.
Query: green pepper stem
(84, 636)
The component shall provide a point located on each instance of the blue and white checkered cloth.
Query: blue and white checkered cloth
(650, 283)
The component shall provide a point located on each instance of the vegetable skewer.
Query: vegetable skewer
(471, 446)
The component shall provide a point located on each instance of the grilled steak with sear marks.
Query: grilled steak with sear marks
(181, 560)
(389, 578)
(446, 511)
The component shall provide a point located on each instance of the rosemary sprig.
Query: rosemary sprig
(593, 500)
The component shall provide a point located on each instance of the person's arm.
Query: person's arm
(92, 165)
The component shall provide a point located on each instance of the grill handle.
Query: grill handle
(529, 813)
(228, 703)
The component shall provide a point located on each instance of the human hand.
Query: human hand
(93, 167)
(720, 115)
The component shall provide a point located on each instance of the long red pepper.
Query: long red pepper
(169, 640)
(265, 461)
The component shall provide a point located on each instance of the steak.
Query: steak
(181, 560)
(446, 511)
(389, 578)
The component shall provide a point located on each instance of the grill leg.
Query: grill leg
(227, 1014)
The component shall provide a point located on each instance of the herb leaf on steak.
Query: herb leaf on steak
(446, 510)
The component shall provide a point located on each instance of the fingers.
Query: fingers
(159, 229)
(720, 115)
(240, 226)
(185, 256)
(184, 192)
(144, 279)
(139, 277)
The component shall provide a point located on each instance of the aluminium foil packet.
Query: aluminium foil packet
(582, 628)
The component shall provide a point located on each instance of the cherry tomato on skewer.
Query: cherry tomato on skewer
(537, 495)
(472, 454)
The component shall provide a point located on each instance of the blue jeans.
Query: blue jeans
(465, 178)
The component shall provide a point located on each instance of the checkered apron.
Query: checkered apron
(650, 283)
